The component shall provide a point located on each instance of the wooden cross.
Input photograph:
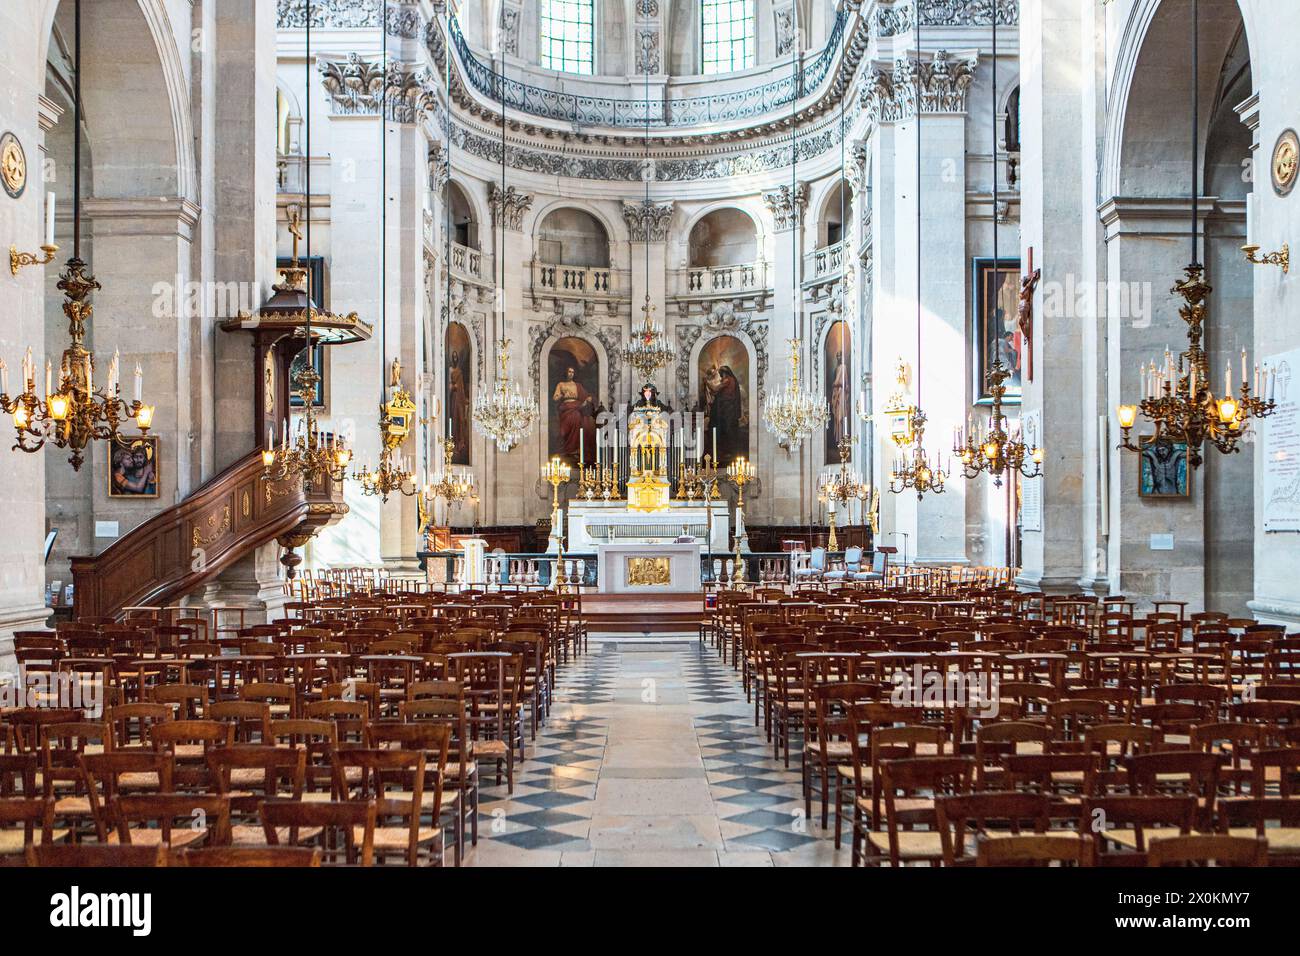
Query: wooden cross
(1025, 317)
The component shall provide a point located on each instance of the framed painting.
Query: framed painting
(838, 390)
(573, 385)
(723, 369)
(133, 467)
(459, 387)
(1162, 469)
(995, 334)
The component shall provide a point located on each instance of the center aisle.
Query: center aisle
(651, 758)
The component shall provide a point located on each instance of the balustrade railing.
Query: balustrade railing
(674, 111)
(722, 280)
(826, 262)
(554, 277)
(466, 261)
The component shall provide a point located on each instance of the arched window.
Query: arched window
(727, 35)
(567, 42)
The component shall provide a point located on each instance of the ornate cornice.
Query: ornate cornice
(510, 205)
(358, 86)
(944, 83)
(787, 205)
(968, 13)
(647, 221)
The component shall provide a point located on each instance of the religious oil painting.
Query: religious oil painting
(837, 353)
(996, 335)
(1163, 470)
(133, 467)
(724, 397)
(573, 390)
(459, 397)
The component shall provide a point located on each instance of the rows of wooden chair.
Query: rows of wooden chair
(1073, 729)
(351, 731)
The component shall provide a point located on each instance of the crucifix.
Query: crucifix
(1025, 317)
(295, 230)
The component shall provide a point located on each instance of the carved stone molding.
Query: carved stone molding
(944, 83)
(509, 206)
(968, 13)
(892, 19)
(786, 32)
(787, 205)
(509, 30)
(344, 14)
(648, 221)
(358, 86)
(647, 9)
(439, 167)
(647, 50)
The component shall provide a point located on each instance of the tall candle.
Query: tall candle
(1227, 380)
(582, 446)
(4, 377)
(47, 378)
(715, 447)
(139, 382)
(1243, 366)
(49, 219)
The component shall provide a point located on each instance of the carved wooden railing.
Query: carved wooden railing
(191, 543)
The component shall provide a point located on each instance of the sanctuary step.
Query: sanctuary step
(639, 614)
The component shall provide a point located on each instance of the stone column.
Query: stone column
(1054, 151)
(511, 477)
(787, 475)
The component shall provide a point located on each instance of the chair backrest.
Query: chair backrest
(1201, 848)
(175, 811)
(1033, 851)
(284, 821)
(960, 812)
(81, 855)
(255, 856)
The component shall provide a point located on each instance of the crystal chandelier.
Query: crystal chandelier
(503, 414)
(74, 413)
(311, 455)
(649, 349)
(914, 468)
(790, 412)
(996, 450)
(841, 487)
(1177, 396)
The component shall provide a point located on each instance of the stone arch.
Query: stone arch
(753, 386)
(760, 238)
(129, 52)
(614, 237)
(1152, 57)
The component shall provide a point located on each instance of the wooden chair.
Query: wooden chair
(911, 786)
(1200, 849)
(250, 775)
(25, 822)
(182, 819)
(342, 830)
(394, 780)
(1120, 826)
(963, 817)
(111, 775)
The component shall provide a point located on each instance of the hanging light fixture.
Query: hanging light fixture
(914, 468)
(649, 349)
(1177, 394)
(309, 454)
(74, 413)
(790, 412)
(997, 449)
(394, 474)
(503, 414)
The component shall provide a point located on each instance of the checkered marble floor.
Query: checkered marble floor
(650, 758)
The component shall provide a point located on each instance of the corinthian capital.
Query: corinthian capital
(787, 205)
(508, 206)
(648, 221)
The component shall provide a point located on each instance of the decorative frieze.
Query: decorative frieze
(509, 205)
(339, 14)
(787, 205)
(358, 86)
(648, 221)
(968, 13)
